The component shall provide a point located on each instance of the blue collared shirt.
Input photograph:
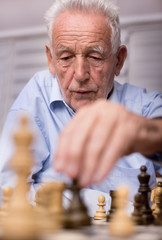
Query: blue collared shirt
(42, 101)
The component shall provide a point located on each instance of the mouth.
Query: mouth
(83, 92)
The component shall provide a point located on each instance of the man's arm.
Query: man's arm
(99, 135)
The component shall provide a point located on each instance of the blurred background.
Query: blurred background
(23, 37)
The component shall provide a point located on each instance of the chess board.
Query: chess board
(19, 220)
(99, 231)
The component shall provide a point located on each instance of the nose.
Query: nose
(81, 69)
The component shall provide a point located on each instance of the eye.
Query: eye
(65, 61)
(95, 60)
(66, 58)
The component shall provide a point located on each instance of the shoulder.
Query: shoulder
(42, 79)
(37, 89)
(137, 99)
(127, 91)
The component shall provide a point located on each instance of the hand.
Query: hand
(96, 138)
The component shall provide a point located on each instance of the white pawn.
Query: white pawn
(121, 225)
(100, 213)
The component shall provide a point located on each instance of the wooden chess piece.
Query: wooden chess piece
(144, 189)
(153, 199)
(44, 223)
(76, 214)
(137, 215)
(56, 209)
(113, 206)
(100, 213)
(158, 204)
(7, 194)
(121, 225)
(19, 224)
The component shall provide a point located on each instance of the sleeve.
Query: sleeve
(153, 109)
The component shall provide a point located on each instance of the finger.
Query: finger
(97, 143)
(71, 144)
(117, 148)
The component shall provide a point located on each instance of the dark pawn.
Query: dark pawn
(137, 215)
(113, 205)
(144, 189)
(76, 214)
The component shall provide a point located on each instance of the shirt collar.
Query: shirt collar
(56, 96)
(114, 96)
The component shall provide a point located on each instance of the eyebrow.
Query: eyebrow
(62, 49)
(96, 48)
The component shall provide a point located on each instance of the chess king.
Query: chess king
(86, 125)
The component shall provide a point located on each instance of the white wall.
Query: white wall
(26, 13)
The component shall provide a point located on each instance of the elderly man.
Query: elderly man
(112, 121)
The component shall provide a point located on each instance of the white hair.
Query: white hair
(108, 8)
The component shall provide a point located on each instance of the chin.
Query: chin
(81, 104)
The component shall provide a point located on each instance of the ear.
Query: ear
(50, 59)
(121, 56)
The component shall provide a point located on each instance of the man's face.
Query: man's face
(82, 58)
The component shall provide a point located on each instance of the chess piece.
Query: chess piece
(7, 194)
(153, 199)
(121, 225)
(44, 223)
(76, 214)
(42, 198)
(100, 213)
(158, 204)
(56, 209)
(113, 206)
(137, 215)
(144, 189)
(19, 224)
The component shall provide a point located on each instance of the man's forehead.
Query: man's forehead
(80, 21)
